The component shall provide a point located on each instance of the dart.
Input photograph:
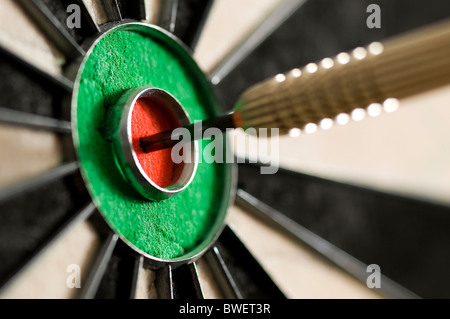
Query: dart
(350, 81)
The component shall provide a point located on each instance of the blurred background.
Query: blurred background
(380, 187)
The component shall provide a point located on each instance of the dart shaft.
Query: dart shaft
(170, 138)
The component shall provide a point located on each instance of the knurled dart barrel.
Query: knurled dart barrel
(399, 68)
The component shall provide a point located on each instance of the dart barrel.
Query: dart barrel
(399, 68)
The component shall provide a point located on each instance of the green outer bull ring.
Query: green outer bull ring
(181, 51)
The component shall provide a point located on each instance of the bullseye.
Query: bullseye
(151, 118)
(141, 112)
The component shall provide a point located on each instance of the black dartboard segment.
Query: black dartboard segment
(179, 283)
(56, 30)
(35, 212)
(63, 13)
(120, 276)
(26, 88)
(191, 17)
(246, 278)
(185, 18)
(133, 9)
(406, 237)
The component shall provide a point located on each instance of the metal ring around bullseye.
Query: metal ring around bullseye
(121, 121)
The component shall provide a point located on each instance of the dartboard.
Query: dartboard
(369, 197)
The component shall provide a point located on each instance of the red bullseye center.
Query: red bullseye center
(149, 118)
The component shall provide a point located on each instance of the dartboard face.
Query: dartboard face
(356, 211)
